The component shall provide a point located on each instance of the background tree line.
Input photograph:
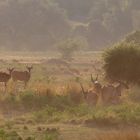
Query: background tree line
(41, 24)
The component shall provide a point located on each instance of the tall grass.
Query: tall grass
(40, 97)
(124, 114)
(68, 104)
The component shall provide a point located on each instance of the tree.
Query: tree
(122, 62)
(33, 24)
(69, 46)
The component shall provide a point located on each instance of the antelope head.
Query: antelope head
(10, 70)
(94, 80)
(96, 84)
(123, 84)
(29, 68)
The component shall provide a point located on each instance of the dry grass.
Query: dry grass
(123, 135)
(74, 92)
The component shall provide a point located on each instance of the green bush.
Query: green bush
(122, 62)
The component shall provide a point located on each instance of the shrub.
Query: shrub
(122, 62)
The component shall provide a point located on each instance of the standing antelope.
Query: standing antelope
(5, 77)
(22, 75)
(109, 93)
(90, 96)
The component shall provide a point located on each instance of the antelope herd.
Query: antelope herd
(106, 94)
(15, 75)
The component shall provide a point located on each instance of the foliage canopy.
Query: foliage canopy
(122, 62)
(39, 24)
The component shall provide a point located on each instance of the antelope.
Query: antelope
(90, 96)
(112, 93)
(5, 77)
(109, 93)
(22, 75)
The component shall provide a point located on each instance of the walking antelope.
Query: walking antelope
(22, 75)
(5, 77)
(90, 96)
